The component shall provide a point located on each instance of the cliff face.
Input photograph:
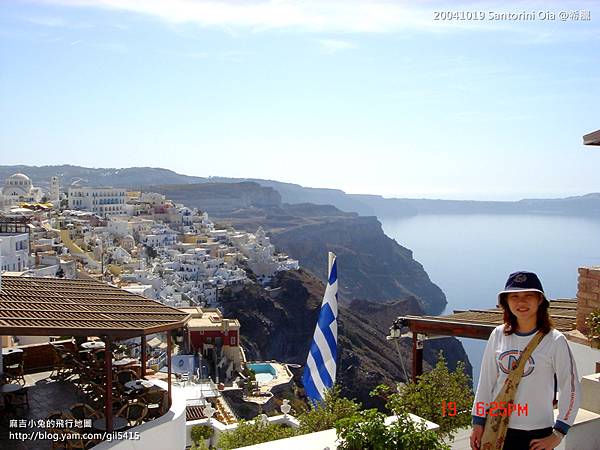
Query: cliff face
(282, 329)
(220, 197)
(374, 267)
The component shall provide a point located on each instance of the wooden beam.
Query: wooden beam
(423, 325)
(169, 349)
(40, 330)
(108, 414)
(417, 360)
(144, 356)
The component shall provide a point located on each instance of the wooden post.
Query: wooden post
(169, 349)
(144, 356)
(417, 359)
(108, 413)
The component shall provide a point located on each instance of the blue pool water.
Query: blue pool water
(265, 372)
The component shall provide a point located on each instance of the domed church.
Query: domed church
(18, 188)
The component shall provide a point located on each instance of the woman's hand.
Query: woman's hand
(547, 443)
(476, 434)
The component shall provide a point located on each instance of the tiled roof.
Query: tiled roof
(479, 323)
(53, 306)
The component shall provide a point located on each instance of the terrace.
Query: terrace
(44, 382)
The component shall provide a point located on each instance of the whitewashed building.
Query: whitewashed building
(14, 252)
(100, 201)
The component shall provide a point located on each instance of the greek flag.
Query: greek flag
(319, 372)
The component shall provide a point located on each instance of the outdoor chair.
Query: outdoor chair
(124, 376)
(53, 416)
(184, 377)
(97, 358)
(64, 362)
(13, 367)
(17, 399)
(134, 413)
(155, 401)
(84, 411)
(76, 441)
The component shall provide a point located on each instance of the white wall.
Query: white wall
(167, 432)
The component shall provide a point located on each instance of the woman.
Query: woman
(524, 388)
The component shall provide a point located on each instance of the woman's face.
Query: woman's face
(524, 305)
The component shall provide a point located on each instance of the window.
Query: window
(232, 341)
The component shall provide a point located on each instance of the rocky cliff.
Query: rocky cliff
(281, 328)
(372, 266)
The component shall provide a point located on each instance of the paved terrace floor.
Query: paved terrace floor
(45, 395)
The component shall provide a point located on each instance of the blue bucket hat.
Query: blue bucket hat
(523, 282)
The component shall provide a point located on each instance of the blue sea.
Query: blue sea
(470, 256)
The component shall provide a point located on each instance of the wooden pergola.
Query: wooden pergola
(476, 324)
(592, 138)
(31, 306)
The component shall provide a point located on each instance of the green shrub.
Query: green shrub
(367, 430)
(201, 432)
(253, 432)
(593, 322)
(324, 415)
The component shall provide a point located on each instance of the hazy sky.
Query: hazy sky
(366, 96)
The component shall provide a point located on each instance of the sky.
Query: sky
(401, 99)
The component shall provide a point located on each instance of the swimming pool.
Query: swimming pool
(265, 372)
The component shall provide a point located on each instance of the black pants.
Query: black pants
(520, 439)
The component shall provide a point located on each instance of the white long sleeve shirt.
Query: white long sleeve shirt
(536, 389)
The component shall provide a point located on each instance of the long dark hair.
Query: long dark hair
(544, 322)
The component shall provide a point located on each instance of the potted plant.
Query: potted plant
(593, 322)
(201, 435)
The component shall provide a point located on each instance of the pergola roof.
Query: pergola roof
(479, 324)
(31, 306)
(592, 138)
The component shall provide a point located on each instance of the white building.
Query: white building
(159, 237)
(100, 201)
(18, 187)
(14, 252)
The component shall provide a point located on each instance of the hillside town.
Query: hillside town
(139, 241)
(144, 245)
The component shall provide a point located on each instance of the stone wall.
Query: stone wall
(588, 295)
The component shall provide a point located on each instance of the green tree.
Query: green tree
(323, 416)
(440, 396)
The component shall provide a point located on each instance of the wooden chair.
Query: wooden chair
(124, 376)
(64, 362)
(155, 400)
(13, 367)
(84, 411)
(134, 413)
(59, 443)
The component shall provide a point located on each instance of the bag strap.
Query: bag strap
(495, 428)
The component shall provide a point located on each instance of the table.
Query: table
(9, 351)
(118, 424)
(11, 387)
(123, 362)
(93, 345)
(138, 385)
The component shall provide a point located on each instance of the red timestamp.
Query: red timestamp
(495, 409)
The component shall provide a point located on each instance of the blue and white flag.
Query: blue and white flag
(319, 372)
